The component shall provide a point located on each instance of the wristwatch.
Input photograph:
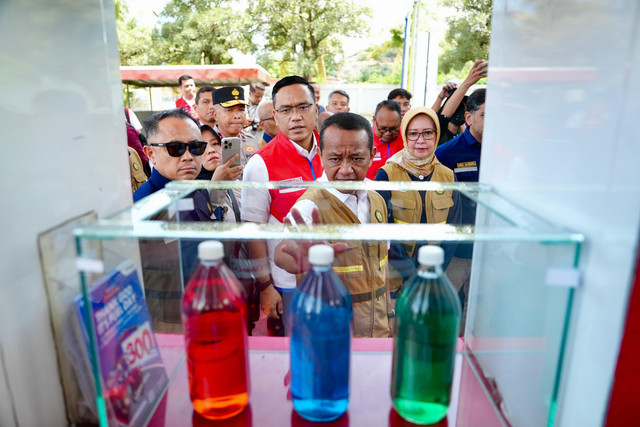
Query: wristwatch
(261, 286)
(392, 314)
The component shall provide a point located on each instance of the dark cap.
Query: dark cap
(229, 96)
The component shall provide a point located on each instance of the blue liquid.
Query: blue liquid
(320, 351)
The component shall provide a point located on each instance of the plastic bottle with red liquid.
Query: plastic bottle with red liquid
(214, 314)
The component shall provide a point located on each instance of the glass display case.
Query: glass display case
(514, 271)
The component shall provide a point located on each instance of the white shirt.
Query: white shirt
(358, 204)
(255, 206)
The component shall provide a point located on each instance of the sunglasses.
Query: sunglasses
(177, 148)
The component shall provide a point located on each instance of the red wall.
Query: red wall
(624, 406)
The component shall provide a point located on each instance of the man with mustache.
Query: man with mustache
(229, 111)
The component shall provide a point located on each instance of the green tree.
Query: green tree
(199, 32)
(298, 36)
(467, 38)
(133, 39)
(380, 63)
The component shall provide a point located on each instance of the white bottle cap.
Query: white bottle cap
(431, 255)
(321, 255)
(210, 250)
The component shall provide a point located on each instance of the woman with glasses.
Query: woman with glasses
(420, 130)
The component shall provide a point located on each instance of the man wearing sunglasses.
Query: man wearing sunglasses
(175, 149)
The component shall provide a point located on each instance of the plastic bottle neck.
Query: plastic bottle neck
(321, 268)
(430, 271)
(210, 262)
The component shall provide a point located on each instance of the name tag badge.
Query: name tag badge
(466, 167)
(291, 190)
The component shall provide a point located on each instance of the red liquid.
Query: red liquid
(216, 345)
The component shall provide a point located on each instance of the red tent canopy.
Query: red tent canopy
(214, 75)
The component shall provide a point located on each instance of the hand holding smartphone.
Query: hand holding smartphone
(231, 147)
(484, 65)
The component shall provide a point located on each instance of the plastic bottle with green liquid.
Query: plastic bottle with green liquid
(424, 349)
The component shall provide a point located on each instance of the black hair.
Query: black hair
(292, 80)
(402, 93)
(256, 85)
(457, 118)
(476, 100)
(152, 123)
(389, 105)
(339, 92)
(203, 89)
(183, 78)
(210, 129)
(347, 121)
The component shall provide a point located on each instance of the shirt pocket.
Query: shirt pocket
(403, 210)
(441, 206)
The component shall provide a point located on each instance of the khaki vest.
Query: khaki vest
(138, 177)
(362, 267)
(407, 206)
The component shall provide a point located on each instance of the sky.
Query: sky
(386, 15)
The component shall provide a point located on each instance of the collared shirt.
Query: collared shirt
(248, 146)
(357, 203)
(156, 182)
(266, 138)
(256, 170)
(462, 155)
(256, 207)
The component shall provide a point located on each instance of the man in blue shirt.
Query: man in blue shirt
(175, 149)
(462, 153)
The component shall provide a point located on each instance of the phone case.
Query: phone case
(230, 147)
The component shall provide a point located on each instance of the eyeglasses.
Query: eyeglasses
(387, 130)
(427, 135)
(177, 148)
(302, 109)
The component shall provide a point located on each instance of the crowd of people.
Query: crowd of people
(291, 138)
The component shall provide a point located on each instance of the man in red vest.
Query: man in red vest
(386, 134)
(188, 99)
(291, 156)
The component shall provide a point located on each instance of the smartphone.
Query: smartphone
(485, 65)
(231, 146)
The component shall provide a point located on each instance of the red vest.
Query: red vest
(384, 150)
(284, 163)
(182, 103)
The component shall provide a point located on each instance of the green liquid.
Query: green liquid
(428, 316)
(420, 412)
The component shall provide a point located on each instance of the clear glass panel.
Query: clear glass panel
(513, 315)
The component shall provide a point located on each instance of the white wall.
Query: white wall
(561, 140)
(63, 150)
